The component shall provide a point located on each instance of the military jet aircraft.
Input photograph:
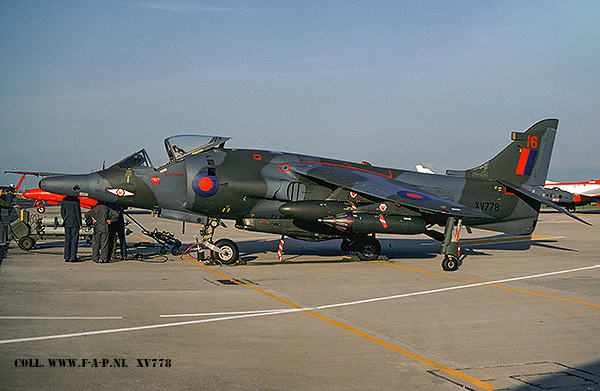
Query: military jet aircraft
(314, 199)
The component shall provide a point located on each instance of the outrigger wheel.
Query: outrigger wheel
(449, 247)
(450, 263)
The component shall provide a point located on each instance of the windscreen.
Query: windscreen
(136, 160)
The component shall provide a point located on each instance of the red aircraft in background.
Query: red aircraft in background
(42, 196)
(584, 193)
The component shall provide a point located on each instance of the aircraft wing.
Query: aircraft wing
(385, 188)
(36, 173)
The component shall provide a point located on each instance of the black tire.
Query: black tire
(450, 263)
(231, 253)
(41, 209)
(26, 243)
(367, 248)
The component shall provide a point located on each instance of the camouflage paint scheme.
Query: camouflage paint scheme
(314, 198)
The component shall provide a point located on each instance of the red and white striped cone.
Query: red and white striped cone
(280, 250)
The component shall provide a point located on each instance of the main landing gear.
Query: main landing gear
(365, 247)
(223, 250)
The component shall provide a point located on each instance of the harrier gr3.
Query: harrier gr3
(314, 199)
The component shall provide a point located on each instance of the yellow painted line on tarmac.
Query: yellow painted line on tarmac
(493, 285)
(142, 239)
(397, 349)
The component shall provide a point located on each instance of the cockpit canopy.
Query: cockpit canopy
(179, 146)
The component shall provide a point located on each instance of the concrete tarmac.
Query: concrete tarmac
(519, 314)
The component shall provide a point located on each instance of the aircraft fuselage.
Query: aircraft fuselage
(243, 185)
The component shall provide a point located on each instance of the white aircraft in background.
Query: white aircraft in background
(583, 193)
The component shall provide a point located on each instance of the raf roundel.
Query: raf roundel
(411, 195)
(205, 185)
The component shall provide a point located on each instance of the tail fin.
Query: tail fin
(525, 161)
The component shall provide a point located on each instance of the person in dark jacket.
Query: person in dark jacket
(70, 211)
(116, 230)
(4, 205)
(101, 216)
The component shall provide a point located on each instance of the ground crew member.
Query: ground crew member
(4, 205)
(117, 230)
(70, 211)
(100, 217)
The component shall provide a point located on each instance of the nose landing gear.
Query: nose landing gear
(223, 250)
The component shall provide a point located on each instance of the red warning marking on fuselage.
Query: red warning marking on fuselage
(382, 221)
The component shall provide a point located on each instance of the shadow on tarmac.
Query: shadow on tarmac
(324, 252)
(583, 377)
(330, 252)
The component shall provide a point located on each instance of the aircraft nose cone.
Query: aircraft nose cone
(70, 185)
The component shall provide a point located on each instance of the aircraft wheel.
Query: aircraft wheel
(230, 254)
(571, 209)
(26, 243)
(367, 248)
(41, 209)
(450, 263)
(175, 251)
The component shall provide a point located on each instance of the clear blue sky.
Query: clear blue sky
(438, 83)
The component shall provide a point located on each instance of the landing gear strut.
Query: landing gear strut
(450, 248)
(223, 250)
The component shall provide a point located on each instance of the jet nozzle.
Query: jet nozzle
(342, 221)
